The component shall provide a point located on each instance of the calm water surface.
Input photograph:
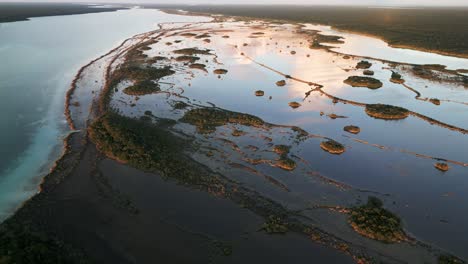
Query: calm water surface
(430, 202)
(372, 47)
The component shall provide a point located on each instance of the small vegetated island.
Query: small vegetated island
(383, 111)
(333, 147)
(362, 81)
(375, 222)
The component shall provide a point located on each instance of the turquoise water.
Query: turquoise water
(38, 60)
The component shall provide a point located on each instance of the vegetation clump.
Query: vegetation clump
(442, 166)
(186, 58)
(275, 225)
(192, 51)
(238, 133)
(141, 73)
(294, 105)
(375, 222)
(22, 244)
(220, 71)
(198, 66)
(319, 39)
(188, 34)
(259, 93)
(203, 36)
(207, 120)
(363, 65)
(361, 81)
(142, 88)
(149, 147)
(352, 129)
(332, 147)
(447, 259)
(368, 72)
(435, 101)
(422, 72)
(383, 111)
(281, 83)
(281, 149)
(155, 59)
(180, 105)
(396, 78)
(284, 162)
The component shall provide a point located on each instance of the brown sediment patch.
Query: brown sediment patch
(352, 129)
(335, 116)
(346, 57)
(442, 166)
(361, 81)
(207, 40)
(389, 112)
(293, 52)
(294, 105)
(332, 147)
(220, 71)
(259, 93)
(418, 94)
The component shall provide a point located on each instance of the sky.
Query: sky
(308, 2)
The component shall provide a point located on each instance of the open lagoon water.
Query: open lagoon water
(391, 159)
(39, 59)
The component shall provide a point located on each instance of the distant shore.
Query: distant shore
(416, 29)
(12, 12)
